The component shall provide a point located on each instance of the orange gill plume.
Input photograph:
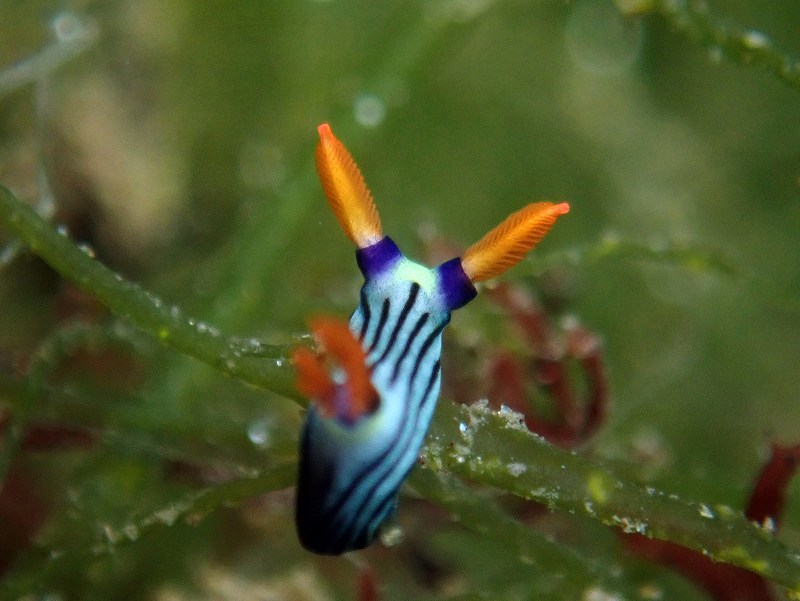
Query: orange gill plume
(315, 382)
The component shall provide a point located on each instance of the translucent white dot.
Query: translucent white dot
(391, 536)
(715, 54)
(596, 593)
(258, 433)
(755, 39)
(68, 27)
(87, 250)
(369, 110)
(600, 39)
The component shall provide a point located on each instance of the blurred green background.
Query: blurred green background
(179, 145)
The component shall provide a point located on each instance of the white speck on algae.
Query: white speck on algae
(514, 419)
(630, 525)
(596, 593)
(755, 40)
(516, 468)
(131, 531)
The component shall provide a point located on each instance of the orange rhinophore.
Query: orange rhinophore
(313, 380)
(346, 191)
(509, 242)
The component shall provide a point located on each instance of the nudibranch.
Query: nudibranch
(374, 390)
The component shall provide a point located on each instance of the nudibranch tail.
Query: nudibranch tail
(346, 191)
(509, 242)
(354, 396)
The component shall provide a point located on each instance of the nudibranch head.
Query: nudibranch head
(371, 411)
(448, 283)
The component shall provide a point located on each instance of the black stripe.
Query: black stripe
(367, 313)
(435, 373)
(411, 338)
(381, 323)
(370, 527)
(345, 521)
(348, 518)
(398, 442)
(335, 513)
(396, 482)
(415, 404)
(424, 349)
(401, 319)
(431, 379)
(376, 464)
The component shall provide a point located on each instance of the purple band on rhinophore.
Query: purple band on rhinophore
(375, 258)
(456, 288)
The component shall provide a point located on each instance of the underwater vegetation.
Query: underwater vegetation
(617, 415)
